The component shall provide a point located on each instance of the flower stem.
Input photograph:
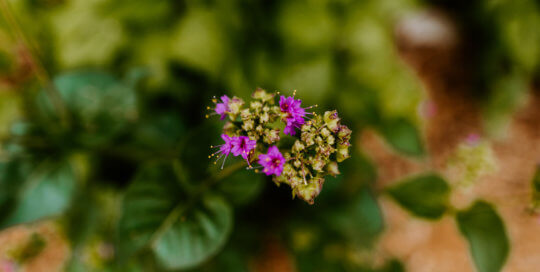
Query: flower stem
(35, 63)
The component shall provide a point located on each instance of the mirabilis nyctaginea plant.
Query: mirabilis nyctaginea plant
(295, 147)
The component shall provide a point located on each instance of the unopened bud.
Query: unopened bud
(248, 125)
(310, 191)
(264, 117)
(344, 132)
(325, 132)
(298, 146)
(331, 120)
(332, 168)
(342, 154)
(256, 105)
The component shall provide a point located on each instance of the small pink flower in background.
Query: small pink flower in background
(427, 109)
(472, 139)
(272, 162)
(8, 266)
(106, 251)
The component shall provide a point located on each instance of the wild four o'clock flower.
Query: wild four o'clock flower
(243, 145)
(239, 146)
(293, 113)
(272, 162)
(224, 149)
(301, 161)
(223, 107)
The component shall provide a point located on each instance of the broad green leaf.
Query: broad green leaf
(403, 136)
(181, 230)
(47, 192)
(484, 230)
(147, 203)
(425, 196)
(197, 235)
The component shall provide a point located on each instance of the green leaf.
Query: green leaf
(536, 188)
(47, 192)
(425, 196)
(100, 104)
(359, 221)
(12, 175)
(159, 131)
(181, 230)
(403, 136)
(148, 201)
(199, 234)
(485, 232)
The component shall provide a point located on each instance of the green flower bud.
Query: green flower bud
(271, 136)
(288, 170)
(298, 146)
(259, 129)
(332, 168)
(344, 132)
(262, 95)
(245, 114)
(342, 154)
(235, 105)
(306, 127)
(319, 140)
(330, 140)
(318, 164)
(331, 120)
(256, 106)
(325, 150)
(248, 125)
(296, 181)
(307, 138)
(229, 128)
(325, 132)
(264, 117)
(310, 191)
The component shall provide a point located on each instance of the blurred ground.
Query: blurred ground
(438, 246)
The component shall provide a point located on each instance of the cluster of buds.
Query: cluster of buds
(257, 132)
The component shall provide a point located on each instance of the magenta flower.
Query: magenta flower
(272, 162)
(292, 107)
(223, 107)
(294, 113)
(225, 148)
(291, 126)
(242, 145)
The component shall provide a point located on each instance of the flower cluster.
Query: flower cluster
(278, 135)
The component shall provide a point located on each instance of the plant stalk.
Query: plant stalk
(35, 63)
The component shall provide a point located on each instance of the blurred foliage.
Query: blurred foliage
(425, 196)
(126, 170)
(486, 235)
